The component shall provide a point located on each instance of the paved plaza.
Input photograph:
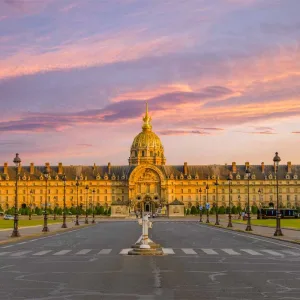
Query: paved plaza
(201, 262)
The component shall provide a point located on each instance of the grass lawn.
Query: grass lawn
(287, 223)
(23, 223)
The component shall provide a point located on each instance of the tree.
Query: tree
(109, 211)
(222, 210)
(254, 209)
(193, 210)
(188, 211)
(234, 210)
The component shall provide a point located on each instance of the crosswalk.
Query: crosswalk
(168, 251)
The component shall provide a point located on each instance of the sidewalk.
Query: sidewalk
(32, 231)
(289, 235)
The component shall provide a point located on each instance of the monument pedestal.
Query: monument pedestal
(145, 246)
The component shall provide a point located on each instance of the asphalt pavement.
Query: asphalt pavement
(203, 262)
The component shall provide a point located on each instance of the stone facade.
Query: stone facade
(147, 183)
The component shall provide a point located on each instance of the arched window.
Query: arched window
(143, 153)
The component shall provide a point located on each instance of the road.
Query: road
(204, 263)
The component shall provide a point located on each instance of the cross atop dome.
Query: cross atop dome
(147, 120)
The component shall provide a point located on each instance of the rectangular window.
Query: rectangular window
(113, 198)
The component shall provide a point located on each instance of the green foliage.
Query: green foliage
(221, 210)
(185, 211)
(109, 211)
(193, 210)
(254, 209)
(234, 209)
(188, 211)
(239, 209)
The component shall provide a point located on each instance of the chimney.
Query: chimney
(247, 165)
(233, 167)
(5, 168)
(289, 167)
(47, 166)
(31, 171)
(185, 169)
(263, 167)
(109, 168)
(60, 169)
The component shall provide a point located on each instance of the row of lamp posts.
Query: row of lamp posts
(16, 233)
(278, 231)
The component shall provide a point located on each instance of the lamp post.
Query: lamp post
(30, 204)
(248, 228)
(217, 208)
(16, 233)
(229, 178)
(278, 231)
(207, 209)
(93, 222)
(64, 224)
(46, 176)
(77, 210)
(239, 202)
(54, 210)
(86, 201)
(201, 207)
(260, 206)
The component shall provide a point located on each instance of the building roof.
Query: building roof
(201, 172)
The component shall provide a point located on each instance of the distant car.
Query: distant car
(8, 217)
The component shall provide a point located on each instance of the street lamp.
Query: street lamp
(229, 178)
(278, 231)
(77, 211)
(217, 208)
(93, 206)
(30, 205)
(64, 224)
(201, 207)
(16, 233)
(46, 176)
(207, 209)
(248, 228)
(86, 201)
(239, 202)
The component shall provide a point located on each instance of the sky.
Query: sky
(222, 79)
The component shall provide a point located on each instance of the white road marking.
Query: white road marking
(4, 253)
(125, 251)
(272, 252)
(7, 246)
(231, 252)
(247, 235)
(105, 251)
(42, 252)
(168, 251)
(21, 243)
(84, 251)
(20, 253)
(249, 251)
(291, 252)
(188, 251)
(62, 252)
(209, 251)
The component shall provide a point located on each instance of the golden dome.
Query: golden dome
(146, 146)
(147, 138)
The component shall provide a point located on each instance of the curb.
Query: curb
(253, 233)
(51, 233)
(286, 228)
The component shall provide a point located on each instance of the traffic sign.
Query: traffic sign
(207, 206)
(200, 207)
